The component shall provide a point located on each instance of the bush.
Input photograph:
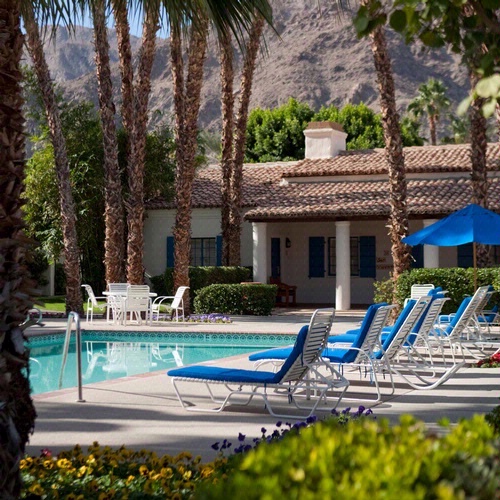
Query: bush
(459, 283)
(200, 277)
(258, 300)
(367, 458)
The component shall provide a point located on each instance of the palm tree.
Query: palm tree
(239, 140)
(66, 202)
(17, 413)
(187, 92)
(114, 242)
(479, 172)
(398, 219)
(432, 101)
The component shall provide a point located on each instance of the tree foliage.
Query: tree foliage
(82, 130)
(278, 134)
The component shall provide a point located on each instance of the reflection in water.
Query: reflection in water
(130, 358)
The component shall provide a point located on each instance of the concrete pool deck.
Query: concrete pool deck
(143, 411)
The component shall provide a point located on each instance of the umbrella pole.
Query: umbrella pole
(474, 254)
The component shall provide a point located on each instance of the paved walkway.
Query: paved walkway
(143, 411)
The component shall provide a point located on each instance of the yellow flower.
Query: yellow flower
(206, 472)
(143, 470)
(48, 464)
(130, 479)
(82, 470)
(91, 460)
(63, 463)
(187, 475)
(36, 489)
(166, 472)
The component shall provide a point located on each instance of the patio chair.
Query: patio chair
(419, 290)
(137, 302)
(91, 302)
(298, 377)
(176, 304)
(285, 292)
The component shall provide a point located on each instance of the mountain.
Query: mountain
(314, 56)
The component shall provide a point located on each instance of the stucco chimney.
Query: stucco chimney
(324, 139)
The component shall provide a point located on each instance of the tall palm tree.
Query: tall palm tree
(234, 140)
(67, 206)
(398, 219)
(479, 172)
(114, 242)
(137, 159)
(239, 141)
(17, 413)
(432, 101)
(187, 94)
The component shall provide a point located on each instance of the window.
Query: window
(332, 256)
(203, 252)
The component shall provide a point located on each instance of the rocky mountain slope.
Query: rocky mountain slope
(314, 57)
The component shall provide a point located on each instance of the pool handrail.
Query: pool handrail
(73, 316)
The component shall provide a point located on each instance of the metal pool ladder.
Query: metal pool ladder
(73, 316)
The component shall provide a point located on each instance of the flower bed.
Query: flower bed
(491, 362)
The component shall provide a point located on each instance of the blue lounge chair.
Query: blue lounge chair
(299, 377)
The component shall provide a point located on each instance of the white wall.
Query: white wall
(205, 224)
(294, 260)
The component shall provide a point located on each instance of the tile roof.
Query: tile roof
(418, 159)
(268, 198)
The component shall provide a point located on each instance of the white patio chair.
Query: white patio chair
(176, 304)
(137, 302)
(418, 291)
(115, 297)
(91, 302)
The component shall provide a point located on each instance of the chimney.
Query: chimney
(324, 139)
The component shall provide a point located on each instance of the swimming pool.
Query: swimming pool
(110, 355)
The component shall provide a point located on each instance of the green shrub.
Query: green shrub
(258, 300)
(369, 459)
(200, 277)
(459, 283)
(383, 291)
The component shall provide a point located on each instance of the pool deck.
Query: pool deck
(143, 411)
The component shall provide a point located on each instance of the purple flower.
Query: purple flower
(278, 424)
(346, 411)
(361, 409)
(311, 419)
(263, 430)
(241, 437)
(215, 446)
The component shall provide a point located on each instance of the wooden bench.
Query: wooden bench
(285, 291)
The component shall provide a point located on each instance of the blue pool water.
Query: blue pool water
(109, 355)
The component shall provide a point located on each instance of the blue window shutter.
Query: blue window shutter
(316, 257)
(417, 252)
(465, 255)
(170, 251)
(367, 257)
(218, 250)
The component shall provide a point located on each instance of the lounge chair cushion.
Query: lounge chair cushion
(235, 375)
(224, 374)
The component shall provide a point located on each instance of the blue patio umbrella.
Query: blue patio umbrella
(472, 224)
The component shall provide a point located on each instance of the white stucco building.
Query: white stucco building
(321, 223)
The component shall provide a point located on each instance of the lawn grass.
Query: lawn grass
(57, 304)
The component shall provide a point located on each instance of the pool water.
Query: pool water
(111, 355)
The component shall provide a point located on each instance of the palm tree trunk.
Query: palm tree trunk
(432, 129)
(398, 220)
(136, 165)
(114, 243)
(240, 136)
(67, 204)
(227, 105)
(479, 173)
(187, 106)
(17, 413)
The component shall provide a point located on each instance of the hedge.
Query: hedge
(369, 459)
(257, 300)
(200, 277)
(459, 283)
